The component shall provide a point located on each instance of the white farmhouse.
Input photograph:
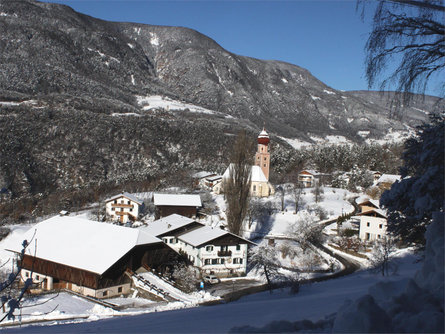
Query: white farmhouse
(123, 207)
(213, 250)
(372, 224)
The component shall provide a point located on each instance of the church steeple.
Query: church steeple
(262, 157)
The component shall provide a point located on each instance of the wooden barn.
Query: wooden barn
(184, 205)
(89, 257)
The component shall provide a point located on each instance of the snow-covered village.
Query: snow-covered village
(152, 181)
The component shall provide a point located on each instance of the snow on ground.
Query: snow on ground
(334, 203)
(313, 302)
(162, 102)
(125, 114)
(296, 143)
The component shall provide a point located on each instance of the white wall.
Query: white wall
(372, 228)
(111, 211)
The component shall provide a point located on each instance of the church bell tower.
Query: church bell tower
(262, 156)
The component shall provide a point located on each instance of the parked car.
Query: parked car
(212, 279)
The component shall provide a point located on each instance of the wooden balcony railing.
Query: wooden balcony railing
(120, 205)
(224, 253)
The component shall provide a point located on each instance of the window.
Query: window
(207, 262)
(254, 188)
(128, 202)
(238, 247)
(379, 236)
(122, 201)
(112, 209)
(264, 165)
(367, 224)
(237, 260)
(214, 261)
(265, 158)
(119, 289)
(209, 248)
(224, 248)
(380, 225)
(222, 261)
(37, 277)
(191, 258)
(131, 209)
(115, 201)
(105, 293)
(27, 274)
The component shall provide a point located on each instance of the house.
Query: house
(89, 257)
(215, 251)
(199, 177)
(386, 180)
(372, 224)
(375, 174)
(211, 181)
(182, 204)
(123, 207)
(211, 249)
(308, 177)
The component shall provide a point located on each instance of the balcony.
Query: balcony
(120, 205)
(224, 253)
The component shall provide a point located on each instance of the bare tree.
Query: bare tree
(237, 185)
(296, 193)
(381, 255)
(305, 231)
(282, 190)
(265, 259)
(412, 33)
(317, 192)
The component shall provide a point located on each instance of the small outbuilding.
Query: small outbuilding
(182, 204)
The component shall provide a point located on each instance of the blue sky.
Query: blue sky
(326, 37)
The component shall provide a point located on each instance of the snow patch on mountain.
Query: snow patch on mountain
(162, 102)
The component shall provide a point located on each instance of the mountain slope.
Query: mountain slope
(86, 102)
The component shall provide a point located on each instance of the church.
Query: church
(259, 177)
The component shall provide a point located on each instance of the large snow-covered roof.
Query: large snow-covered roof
(127, 195)
(177, 200)
(82, 243)
(205, 234)
(166, 224)
(389, 178)
(256, 174)
(202, 235)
